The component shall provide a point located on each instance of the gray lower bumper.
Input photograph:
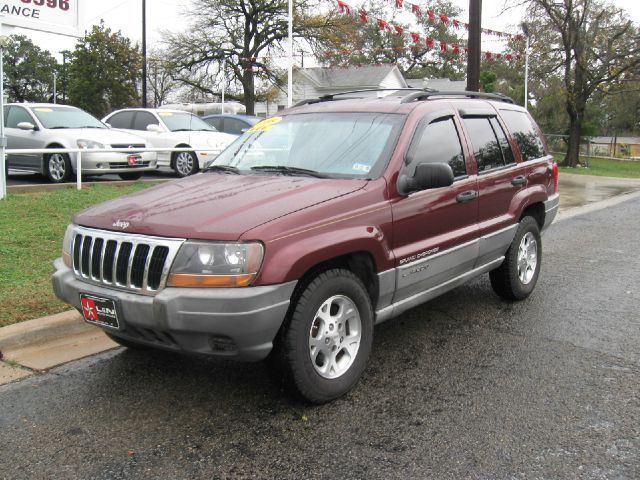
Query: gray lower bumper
(233, 322)
(550, 210)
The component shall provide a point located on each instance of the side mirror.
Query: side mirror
(155, 128)
(26, 126)
(426, 176)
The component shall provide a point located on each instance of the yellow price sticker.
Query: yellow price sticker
(265, 125)
(165, 114)
(44, 110)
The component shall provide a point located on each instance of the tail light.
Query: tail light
(555, 177)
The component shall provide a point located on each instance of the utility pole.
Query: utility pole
(475, 32)
(144, 53)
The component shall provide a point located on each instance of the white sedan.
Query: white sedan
(173, 129)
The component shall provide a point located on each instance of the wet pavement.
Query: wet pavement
(576, 190)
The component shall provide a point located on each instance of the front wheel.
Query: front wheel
(57, 167)
(516, 278)
(327, 338)
(185, 163)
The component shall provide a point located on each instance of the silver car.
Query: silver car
(42, 125)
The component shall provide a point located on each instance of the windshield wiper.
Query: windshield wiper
(223, 168)
(289, 170)
(58, 127)
(182, 130)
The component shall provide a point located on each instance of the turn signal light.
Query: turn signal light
(205, 281)
(555, 177)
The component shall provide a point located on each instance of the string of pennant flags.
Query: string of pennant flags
(416, 39)
(432, 16)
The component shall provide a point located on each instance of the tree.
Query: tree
(591, 44)
(161, 78)
(354, 42)
(28, 71)
(247, 35)
(104, 72)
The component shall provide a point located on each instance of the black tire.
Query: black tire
(127, 343)
(57, 167)
(184, 163)
(130, 176)
(515, 279)
(338, 291)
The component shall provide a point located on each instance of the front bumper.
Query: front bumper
(240, 323)
(102, 163)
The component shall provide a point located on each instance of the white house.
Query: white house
(315, 82)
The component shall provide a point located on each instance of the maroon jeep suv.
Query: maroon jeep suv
(316, 225)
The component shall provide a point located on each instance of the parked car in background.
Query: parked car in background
(173, 129)
(232, 124)
(43, 125)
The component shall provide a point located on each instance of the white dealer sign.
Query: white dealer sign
(55, 16)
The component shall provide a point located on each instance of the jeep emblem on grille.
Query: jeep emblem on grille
(120, 224)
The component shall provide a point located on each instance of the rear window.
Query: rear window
(519, 123)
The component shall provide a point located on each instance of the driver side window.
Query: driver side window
(438, 142)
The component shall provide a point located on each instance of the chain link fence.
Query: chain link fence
(614, 148)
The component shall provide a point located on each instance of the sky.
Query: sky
(166, 15)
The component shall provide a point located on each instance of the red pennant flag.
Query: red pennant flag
(488, 56)
(415, 37)
(444, 19)
(456, 24)
(382, 24)
(456, 49)
(415, 9)
(509, 57)
(443, 47)
(399, 3)
(344, 8)
(398, 29)
(363, 16)
(429, 42)
(432, 16)
(499, 56)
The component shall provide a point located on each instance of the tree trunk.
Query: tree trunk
(573, 149)
(248, 86)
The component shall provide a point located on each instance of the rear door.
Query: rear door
(500, 178)
(435, 231)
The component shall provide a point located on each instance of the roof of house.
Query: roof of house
(352, 77)
(618, 140)
(445, 85)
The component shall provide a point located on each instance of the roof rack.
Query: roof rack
(330, 97)
(426, 94)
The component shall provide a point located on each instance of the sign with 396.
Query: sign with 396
(54, 16)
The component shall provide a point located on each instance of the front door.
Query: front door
(435, 231)
(23, 139)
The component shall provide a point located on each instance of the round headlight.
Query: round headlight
(205, 255)
(233, 255)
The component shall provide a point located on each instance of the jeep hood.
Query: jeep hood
(213, 206)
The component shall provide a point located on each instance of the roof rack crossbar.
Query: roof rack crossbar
(330, 97)
(425, 94)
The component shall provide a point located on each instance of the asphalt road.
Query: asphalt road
(467, 386)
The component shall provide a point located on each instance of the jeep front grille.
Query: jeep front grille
(132, 262)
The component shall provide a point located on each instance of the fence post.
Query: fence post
(79, 171)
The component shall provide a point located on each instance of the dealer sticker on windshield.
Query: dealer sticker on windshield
(265, 125)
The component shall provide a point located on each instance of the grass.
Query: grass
(602, 167)
(31, 230)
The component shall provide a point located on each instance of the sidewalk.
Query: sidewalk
(35, 346)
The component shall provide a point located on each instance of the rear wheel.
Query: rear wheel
(325, 344)
(516, 278)
(130, 175)
(185, 163)
(57, 167)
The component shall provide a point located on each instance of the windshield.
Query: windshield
(342, 145)
(177, 121)
(65, 117)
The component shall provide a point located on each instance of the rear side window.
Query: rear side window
(486, 147)
(121, 120)
(235, 126)
(438, 143)
(519, 123)
(215, 122)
